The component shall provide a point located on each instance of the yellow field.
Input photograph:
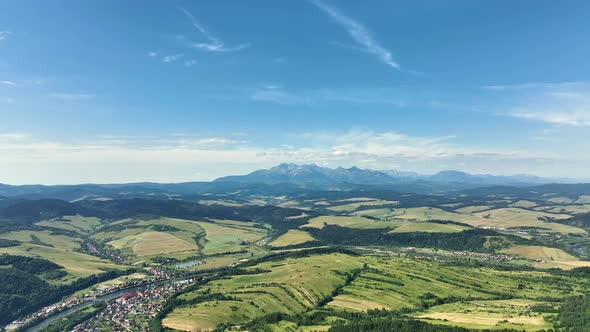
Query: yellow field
(353, 303)
(523, 204)
(57, 241)
(153, 243)
(73, 223)
(357, 199)
(561, 200)
(540, 253)
(293, 285)
(345, 221)
(222, 237)
(292, 237)
(570, 209)
(218, 202)
(515, 217)
(472, 209)
(427, 227)
(76, 264)
(355, 206)
(488, 315)
(426, 213)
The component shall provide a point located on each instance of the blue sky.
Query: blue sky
(123, 91)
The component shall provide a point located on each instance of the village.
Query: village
(134, 310)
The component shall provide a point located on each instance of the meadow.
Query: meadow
(458, 295)
(292, 237)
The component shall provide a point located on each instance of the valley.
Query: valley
(279, 258)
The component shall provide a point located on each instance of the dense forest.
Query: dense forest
(24, 290)
(472, 239)
(574, 315)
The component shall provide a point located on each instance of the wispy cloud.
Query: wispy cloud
(211, 43)
(359, 33)
(190, 63)
(4, 35)
(564, 103)
(9, 83)
(172, 58)
(279, 95)
(152, 54)
(71, 96)
(123, 159)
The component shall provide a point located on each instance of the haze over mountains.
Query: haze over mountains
(294, 178)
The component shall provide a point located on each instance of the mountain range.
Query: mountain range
(296, 179)
(314, 175)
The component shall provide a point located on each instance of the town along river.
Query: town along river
(103, 298)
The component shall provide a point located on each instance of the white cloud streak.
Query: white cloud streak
(172, 58)
(564, 104)
(71, 96)
(359, 33)
(4, 35)
(212, 43)
(122, 159)
(278, 95)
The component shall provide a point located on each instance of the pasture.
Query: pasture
(516, 314)
(297, 285)
(428, 227)
(396, 283)
(292, 237)
(349, 221)
(291, 286)
(360, 204)
(153, 243)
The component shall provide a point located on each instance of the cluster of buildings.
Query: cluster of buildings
(157, 274)
(134, 310)
(97, 250)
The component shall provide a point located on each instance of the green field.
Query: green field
(226, 236)
(292, 237)
(516, 314)
(363, 203)
(428, 227)
(291, 286)
(352, 222)
(297, 285)
(77, 265)
(473, 209)
(403, 283)
(78, 224)
(153, 243)
(569, 209)
(516, 217)
(523, 204)
(180, 238)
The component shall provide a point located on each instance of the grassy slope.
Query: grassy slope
(292, 237)
(292, 286)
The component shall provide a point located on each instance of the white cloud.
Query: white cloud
(152, 54)
(9, 83)
(566, 103)
(71, 96)
(278, 95)
(172, 58)
(359, 33)
(4, 35)
(187, 158)
(190, 63)
(212, 43)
